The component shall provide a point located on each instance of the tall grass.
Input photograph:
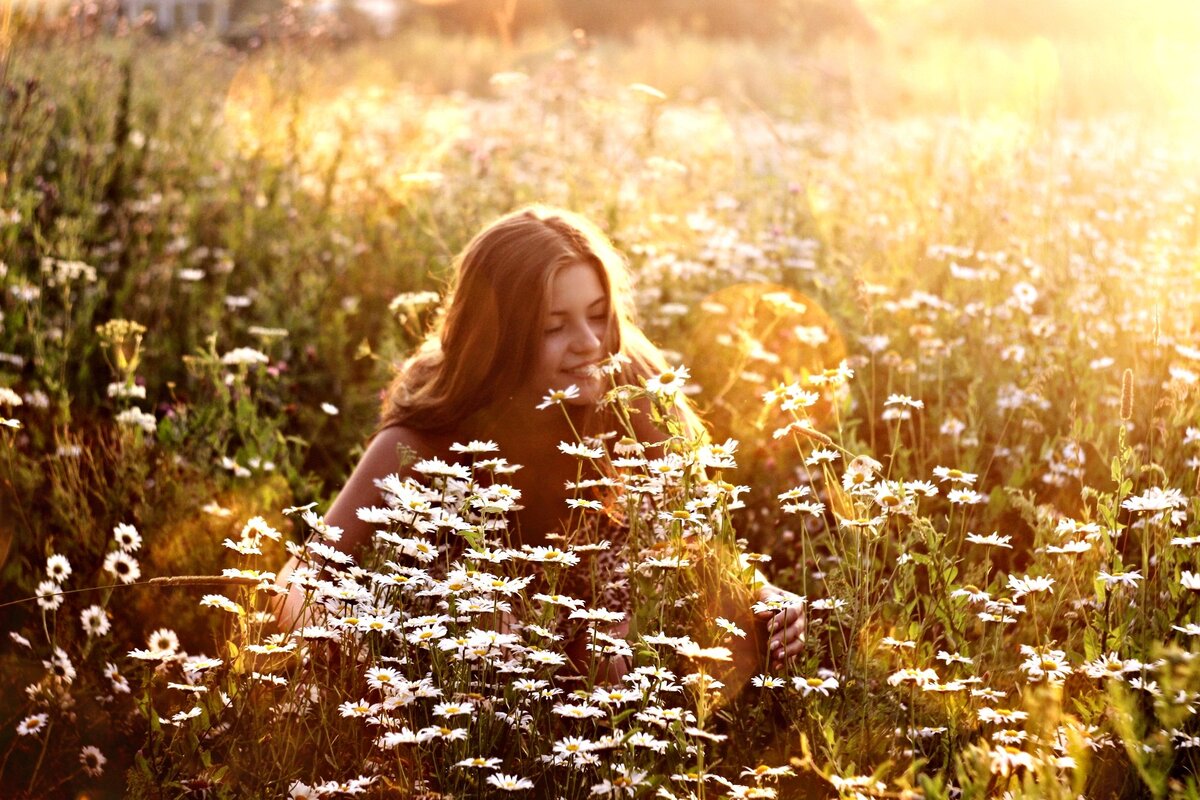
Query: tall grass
(970, 270)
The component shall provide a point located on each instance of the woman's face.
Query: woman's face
(574, 336)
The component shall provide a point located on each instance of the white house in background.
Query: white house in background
(172, 15)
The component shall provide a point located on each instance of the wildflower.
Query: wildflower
(952, 658)
(587, 505)
(823, 684)
(49, 595)
(164, 641)
(1107, 666)
(479, 763)
(966, 497)
(626, 781)
(360, 708)
(832, 378)
(127, 537)
(509, 783)
(1190, 581)
(597, 615)
(768, 682)
(993, 539)
(821, 456)
(425, 635)
(244, 356)
(730, 628)
(549, 555)
(944, 474)
(136, 418)
(60, 666)
(919, 677)
(972, 593)
(1191, 629)
(1129, 579)
(1070, 548)
(32, 724)
(860, 472)
(122, 566)
(1155, 500)
(763, 771)
(559, 396)
(222, 602)
(580, 450)
(93, 760)
(579, 711)
(1007, 716)
(1007, 759)
(58, 568)
(95, 621)
(1045, 664)
(1029, 585)
(690, 649)
(668, 382)
(453, 709)
(903, 400)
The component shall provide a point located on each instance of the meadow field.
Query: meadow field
(937, 295)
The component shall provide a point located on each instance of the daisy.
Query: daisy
(993, 539)
(93, 760)
(904, 401)
(58, 568)
(122, 566)
(163, 642)
(127, 537)
(768, 682)
(509, 783)
(944, 474)
(580, 450)
(1002, 715)
(1029, 585)
(453, 709)
(668, 382)
(49, 595)
(95, 621)
(966, 497)
(379, 677)
(1129, 579)
(356, 709)
(730, 628)
(558, 396)
(479, 763)
(822, 685)
(31, 725)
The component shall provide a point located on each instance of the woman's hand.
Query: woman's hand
(785, 627)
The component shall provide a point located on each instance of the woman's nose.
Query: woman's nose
(585, 339)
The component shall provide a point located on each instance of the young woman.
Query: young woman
(539, 302)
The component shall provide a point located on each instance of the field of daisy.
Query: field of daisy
(937, 297)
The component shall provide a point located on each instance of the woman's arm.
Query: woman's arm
(380, 460)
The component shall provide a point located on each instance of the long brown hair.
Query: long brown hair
(487, 335)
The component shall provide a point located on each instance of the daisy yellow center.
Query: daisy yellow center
(815, 681)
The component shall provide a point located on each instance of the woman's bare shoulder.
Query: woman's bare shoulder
(399, 446)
